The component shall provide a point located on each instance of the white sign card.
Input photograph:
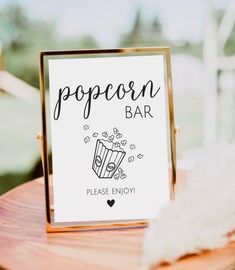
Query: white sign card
(110, 137)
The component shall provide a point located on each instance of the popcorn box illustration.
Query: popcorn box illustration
(107, 158)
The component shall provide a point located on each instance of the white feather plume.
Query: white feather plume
(202, 214)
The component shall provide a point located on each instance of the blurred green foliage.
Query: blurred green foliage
(22, 39)
(148, 34)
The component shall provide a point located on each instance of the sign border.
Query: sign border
(51, 226)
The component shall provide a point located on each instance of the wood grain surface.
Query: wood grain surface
(25, 245)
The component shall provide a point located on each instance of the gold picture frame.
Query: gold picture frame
(51, 226)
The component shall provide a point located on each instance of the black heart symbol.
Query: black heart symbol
(111, 202)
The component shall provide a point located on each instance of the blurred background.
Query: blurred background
(201, 35)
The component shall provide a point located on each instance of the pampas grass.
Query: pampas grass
(202, 214)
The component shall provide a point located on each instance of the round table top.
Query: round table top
(26, 245)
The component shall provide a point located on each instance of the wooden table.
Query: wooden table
(25, 245)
